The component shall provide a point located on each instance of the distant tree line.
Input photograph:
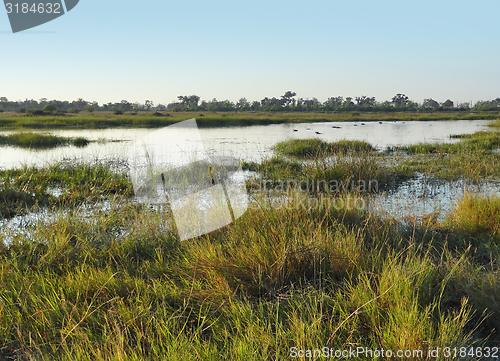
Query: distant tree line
(287, 102)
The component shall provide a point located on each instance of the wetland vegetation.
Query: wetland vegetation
(32, 140)
(11, 120)
(98, 276)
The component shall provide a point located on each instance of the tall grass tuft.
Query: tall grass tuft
(476, 216)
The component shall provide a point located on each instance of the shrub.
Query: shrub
(119, 112)
(49, 108)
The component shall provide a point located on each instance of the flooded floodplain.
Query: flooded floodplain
(380, 228)
(246, 143)
(416, 196)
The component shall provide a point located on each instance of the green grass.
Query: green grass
(495, 123)
(475, 157)
(115, 283)
(40, 141)
(76, 182)
(470, 143)
(315, 147)
(10, 120)
(329, 167)
(477, 216)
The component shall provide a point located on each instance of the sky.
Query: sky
(111, 50)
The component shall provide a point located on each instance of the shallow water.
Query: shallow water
(420, 196)
(416, 197)
(247, 143)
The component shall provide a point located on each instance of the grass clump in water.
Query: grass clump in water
(39, 141)
(314, 147)
(344, 166)
(76, 182)
(474, 157)
(483, 142)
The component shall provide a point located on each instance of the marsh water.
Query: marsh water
(246, 143)
(416, 197)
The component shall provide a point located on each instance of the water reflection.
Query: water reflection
(247, 143)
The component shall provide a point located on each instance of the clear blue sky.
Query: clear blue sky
(136, 50)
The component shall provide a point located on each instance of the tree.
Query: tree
(243, 104)
(271, 104)
(308, 104)
(287, 98)
(399, 100)
(448, 104)
(463, 106)
(189, 102)
(411, 106)
(255, 105)
(429, 104)
(333, 103)
(148, 105)
(365, 102)
(80, 104)
(348, 104)
(125, 106)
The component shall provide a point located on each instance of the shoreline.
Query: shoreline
(102, 120)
